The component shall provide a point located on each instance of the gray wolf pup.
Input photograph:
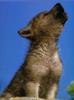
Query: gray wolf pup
(40, 73)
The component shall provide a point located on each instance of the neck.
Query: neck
(44, 45)
(48, 36)
(45, 39)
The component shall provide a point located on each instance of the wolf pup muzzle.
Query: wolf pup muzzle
(60, 13)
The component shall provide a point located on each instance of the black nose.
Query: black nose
(59, 7)
(60, 13)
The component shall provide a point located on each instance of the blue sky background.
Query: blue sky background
(15, 14)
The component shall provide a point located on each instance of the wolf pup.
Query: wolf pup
(40, 73)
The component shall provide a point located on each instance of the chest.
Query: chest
(56, 64)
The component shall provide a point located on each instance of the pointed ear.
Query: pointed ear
(26, 32)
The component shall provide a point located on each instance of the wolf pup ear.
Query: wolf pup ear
(26, 32)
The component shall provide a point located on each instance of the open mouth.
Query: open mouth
(60, 13)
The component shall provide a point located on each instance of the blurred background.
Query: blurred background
(14, 15)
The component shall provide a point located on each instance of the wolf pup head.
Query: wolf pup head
(46, 23)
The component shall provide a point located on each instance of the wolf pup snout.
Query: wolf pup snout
(60, 13)
(40, 73)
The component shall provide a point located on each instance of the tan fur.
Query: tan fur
(39, 75)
